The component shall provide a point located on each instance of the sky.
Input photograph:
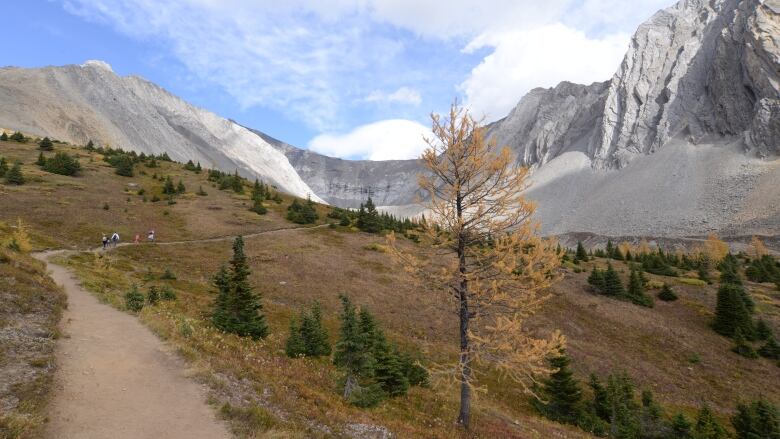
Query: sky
(356, 79)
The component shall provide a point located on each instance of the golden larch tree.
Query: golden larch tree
(488, 257)
(758, 249)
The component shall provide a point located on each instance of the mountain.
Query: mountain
(682, 140)
(78, 103)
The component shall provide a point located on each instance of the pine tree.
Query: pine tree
(770, 349)
(14, 175)
(560, 392)
(758, 420)
(313, 334)
(168, 187)
(46, 144)
(636, 291)
(613, 286)
(667, 294)
(351, 353)
(581, 254)
(243, 311)
(388, 368)
(730, 312)
(180, 189)
(596, 280)
(681, 427)
(294, 346)
(600, 398)
(707, 427)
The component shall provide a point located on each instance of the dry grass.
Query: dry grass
(669, 349)
(30, 308)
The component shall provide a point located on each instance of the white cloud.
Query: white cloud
(392, 139)
(540, 57)
(404, 95)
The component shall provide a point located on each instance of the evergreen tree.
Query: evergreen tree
(624, 411)
(62, 163)
(596, 280)
(18, 137)
(221, 316)
(4, 137)
(180, 189)
(388, 368)
(636, 291)
(613, 286)
(314, 335)
(416, 374)
(707, 427)
(243, 312)
(600, 398)
(302, 213)
(123, 165)
(667, 294)
(560, 393)
(763, 331)
(198, 169)
(257, 191)
(351, 352)
(681, 428)
(294, 346)
(257, 207)
(610, 249)
(41, 160)
(770, 349)
(46, 144)
(368, 218)
(758, 420)
(730, 312)
(704, 270)
(14, 175)
(90, 146)
(237, 184)
(3, 167)
(201, 192)
(168, 187)
(581, 254)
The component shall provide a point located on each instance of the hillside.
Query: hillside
(669, 349)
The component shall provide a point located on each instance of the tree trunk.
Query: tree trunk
(465, 353)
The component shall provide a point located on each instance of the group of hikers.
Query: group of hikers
(114, 239)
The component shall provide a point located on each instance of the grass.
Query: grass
(691, 281)
(669, 349)
(30, 309)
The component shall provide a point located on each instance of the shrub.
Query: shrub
(167, 293)
(667, 294)
(692, 282)
(302, 213)
(14, 175)
(367, 396)
(134, 300)
(63, 164)
(153, 296)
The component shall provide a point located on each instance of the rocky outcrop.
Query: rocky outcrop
(78, 103)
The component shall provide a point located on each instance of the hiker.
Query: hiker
(150, 237)
(115, 239)
(137, 238)
(105, 241)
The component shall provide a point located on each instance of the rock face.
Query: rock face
(90, 102)
(348, 183)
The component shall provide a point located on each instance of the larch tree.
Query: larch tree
(491, 260)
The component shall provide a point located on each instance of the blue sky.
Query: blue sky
(351, 78)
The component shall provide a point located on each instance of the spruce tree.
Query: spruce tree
(596, 280)
(294, 346)
(3, 166)
(770, 349)
(314, 335)
(14, 175)
(560, 393)
(243, 313)
(41, 160)
(763, 331)
(236, 183)
(741, 346)
(636, 291)
(613, 286)
(46, 144)
(18, 137)
(221, 316)
(4, 137)
(180, 189)
(388, 368)
(681, 427)
(368, 218)
(758, 420)
(581, 254)
(124, 166)
(667, 294)
(257, 207)
(600, 398)
(624, 411)
(169, 188)
(351, 353)
(707, 427)
(730, 312)
(90, 146)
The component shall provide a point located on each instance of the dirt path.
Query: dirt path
(118, 380)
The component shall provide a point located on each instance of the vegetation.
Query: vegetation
(302, 213)
(237, 308)
(499, 265)
(308, 337)
(62, 163)
(14, 175)
(45, 144)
